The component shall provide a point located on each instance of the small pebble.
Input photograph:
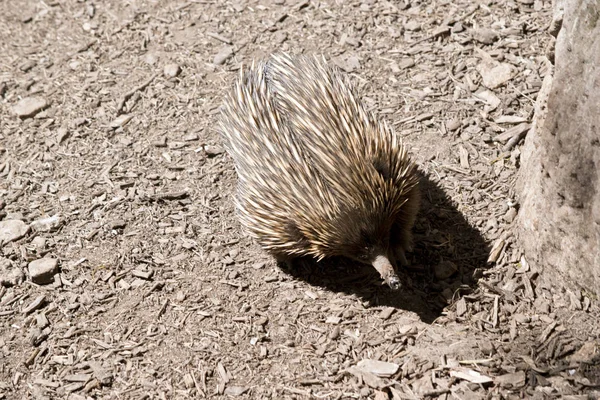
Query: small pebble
(171, 70)
(80, 121)
(386, 313)
(457, 28)
(29, 106)
(259, 265)
(406, 63)
(27, 65)
(180, 296)
(11, 230)
(490, 98)
(494, 75)
(235, 390)
(160, 142)
(190, 137)
(413, 26)
(117, 224)
(150, 59)
(223, 55)
(212, 151)
(42, 271)
(510, 215)
(453, 124)
(485, 35)
(62, 134)
(41, 321)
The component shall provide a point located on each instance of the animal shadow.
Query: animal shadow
(446, 262)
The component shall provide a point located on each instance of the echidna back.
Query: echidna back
(308, 156)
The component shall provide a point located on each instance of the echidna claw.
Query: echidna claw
(394, 282)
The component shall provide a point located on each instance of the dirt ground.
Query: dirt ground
(112, 174)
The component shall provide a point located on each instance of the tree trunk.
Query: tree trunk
(559, 182)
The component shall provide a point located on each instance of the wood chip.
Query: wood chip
(367, 377)
(464, 157)
(77, 377)
(35, 304)
(386, 313)
(512, 381)
(461, 307)
(379, 368)
(471, 376)
(496, 250)
(510, 119)
(515, 131)
(222, 373)
(121, 121)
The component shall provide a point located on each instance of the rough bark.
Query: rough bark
(559, 219)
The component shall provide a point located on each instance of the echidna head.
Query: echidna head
(368, 242)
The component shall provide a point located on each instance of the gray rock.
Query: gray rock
(11, 230)
(495, 74)
(29, 106)
(39, 243)
(235, 390)
(406, 63)
(171, 70)
(223, 55)
(453, 124)
(457, 27)
(510, 215)
(485, 35)
(43, 270)
(412, 26)
(10, 275)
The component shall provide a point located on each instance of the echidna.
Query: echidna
(319, 175)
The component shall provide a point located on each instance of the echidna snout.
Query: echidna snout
(385, 268)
